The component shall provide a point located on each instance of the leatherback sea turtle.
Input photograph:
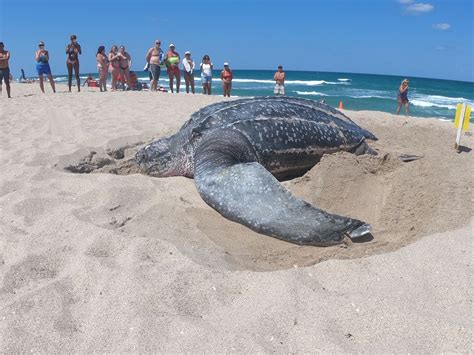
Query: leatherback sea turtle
(236, 151)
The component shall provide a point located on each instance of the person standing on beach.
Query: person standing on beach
(279, 78)
(188, 71)
(226, 77)
(206, 74)
(154, 57)
(402, 97)
(42, 66)
(102, 67)
(125, 65)
(172, 63)
(4, 68)
(114, 66)
(73, 50)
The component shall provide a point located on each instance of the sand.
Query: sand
(115, 261)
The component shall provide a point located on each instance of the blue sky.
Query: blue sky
(399, 37)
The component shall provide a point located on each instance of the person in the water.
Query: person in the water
(402, 97)
(42, 66)
(172, 63)
(73, 50)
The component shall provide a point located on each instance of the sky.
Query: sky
(425, 38)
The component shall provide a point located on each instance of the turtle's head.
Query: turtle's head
(159, 159)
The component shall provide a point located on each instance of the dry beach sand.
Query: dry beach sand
(117, 261)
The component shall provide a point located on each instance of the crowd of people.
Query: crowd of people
(118, 64)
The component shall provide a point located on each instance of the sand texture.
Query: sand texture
(97, 257)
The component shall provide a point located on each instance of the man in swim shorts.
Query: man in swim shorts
(154, 57)
(172, 63)
(4, 68)
(279, 78)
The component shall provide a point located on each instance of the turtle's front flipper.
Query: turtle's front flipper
(230, 180)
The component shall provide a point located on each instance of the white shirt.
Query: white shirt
(206, 69)
(189, 68)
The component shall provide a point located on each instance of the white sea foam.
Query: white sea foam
(450, 103)
(344, 79)
(313, 82)
(312, 93)
(431, 104)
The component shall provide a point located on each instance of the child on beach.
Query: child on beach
(42, 66)
(206, 75)
(402, 97)
(226, 77)
(188, 71)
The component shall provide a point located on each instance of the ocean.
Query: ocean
(428, 97)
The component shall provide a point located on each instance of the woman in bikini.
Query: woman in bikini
(154, 57)
(402, 97)
(172, 63)
(73, 50)
(125, 64)
(226, 77)
(102, 66)
(114, 66)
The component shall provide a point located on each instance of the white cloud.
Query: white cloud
(405, 2)
(442, 26)
(419, 8)
(443, 47)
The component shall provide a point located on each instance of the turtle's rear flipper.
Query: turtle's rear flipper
(245, 192)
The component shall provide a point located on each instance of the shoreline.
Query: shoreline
(182, 91)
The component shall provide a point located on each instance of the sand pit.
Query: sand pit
(403, 201)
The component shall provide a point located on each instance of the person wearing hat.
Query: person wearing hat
(188, 71)
(73, 50)
(42, 66)
(172, 65)
(4, 68)
(226, 77)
